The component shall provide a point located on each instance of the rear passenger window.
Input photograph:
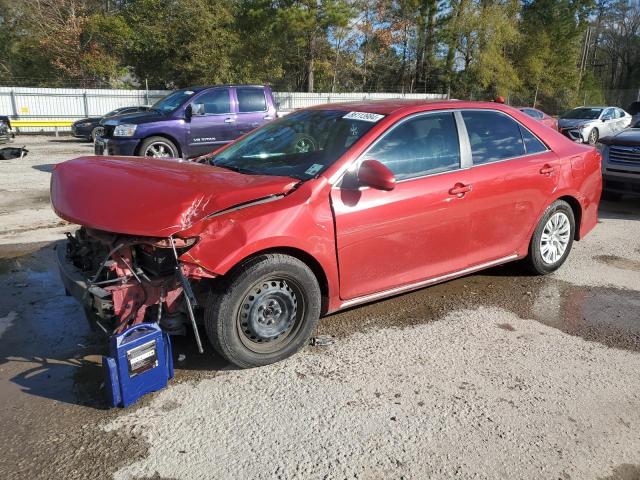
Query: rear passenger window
(423, 145)
(531, 143)
(251, 100)
(493, 136)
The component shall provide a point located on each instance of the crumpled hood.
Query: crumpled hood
(572, 122)
(149, 196)
(136, 118)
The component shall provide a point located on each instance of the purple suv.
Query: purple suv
(188, 122)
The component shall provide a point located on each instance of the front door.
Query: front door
(212, 122)
(416, 231)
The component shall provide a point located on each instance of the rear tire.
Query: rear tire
(552, 239)
(264, 311)
(94, 133)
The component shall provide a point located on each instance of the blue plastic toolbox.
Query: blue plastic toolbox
(140, 361)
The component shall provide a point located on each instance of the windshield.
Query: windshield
(117, 111)
(583, 113)
(172, 101)
(301, 145)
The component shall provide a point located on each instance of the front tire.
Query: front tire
(552, 239)
(158, 147)
(264, 311)
(592, 139)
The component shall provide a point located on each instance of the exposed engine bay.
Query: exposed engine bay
(125, 280)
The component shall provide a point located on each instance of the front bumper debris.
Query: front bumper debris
(121, 282)
(110, 146)
(573, 133)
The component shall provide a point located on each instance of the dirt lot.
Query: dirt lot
(496, 375)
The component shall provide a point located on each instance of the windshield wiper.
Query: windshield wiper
(233, 168)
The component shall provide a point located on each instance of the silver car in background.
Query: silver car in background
(588, 124)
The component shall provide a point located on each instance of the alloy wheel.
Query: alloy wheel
(555, 238)
(159, 150)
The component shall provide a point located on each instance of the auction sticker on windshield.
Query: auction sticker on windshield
(313, 169)
(364, 116)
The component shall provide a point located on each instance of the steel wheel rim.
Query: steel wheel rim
(159, 150)
(555, 238)
(270, 314)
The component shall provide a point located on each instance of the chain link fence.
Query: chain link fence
(22, 103)
(560, 103)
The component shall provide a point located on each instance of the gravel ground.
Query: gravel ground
(24, 185)
(496, 375)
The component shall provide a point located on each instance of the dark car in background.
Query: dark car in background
(89, 128)
(539, 115)
(621, 163)
(188, 122)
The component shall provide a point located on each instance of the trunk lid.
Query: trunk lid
(149, 196)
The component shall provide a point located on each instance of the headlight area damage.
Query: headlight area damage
(141, 275)
(124, 280)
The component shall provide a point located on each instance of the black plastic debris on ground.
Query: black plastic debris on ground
(9, 153)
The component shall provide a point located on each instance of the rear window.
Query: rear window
(251, 100)
(533, 113)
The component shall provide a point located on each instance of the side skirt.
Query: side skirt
(424, 283)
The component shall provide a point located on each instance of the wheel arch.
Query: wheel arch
(576, 207)
(171, 138)
(305, 257)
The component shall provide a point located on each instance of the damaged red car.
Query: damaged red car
(326, 208)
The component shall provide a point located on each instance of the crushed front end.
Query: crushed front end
(125, 280)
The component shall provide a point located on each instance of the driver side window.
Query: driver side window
(212, 102)
(424, 145)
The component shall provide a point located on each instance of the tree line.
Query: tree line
(549, 53)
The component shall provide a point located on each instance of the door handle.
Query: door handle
(547, 169)
(459, 189)
(268, 117)
(229, 120)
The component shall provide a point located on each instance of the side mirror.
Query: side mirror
(606, 118)
(374, 174)
(188, 113)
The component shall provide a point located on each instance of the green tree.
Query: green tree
(177, 43)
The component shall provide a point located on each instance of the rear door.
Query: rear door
(513, 177)
(212, 122)
(253, 109)
(418, 230)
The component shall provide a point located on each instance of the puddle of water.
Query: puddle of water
(605, 315)
(50, 372)
(619, 262)
(626, 471)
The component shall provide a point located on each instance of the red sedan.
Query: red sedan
(539, 115)
(324, 209)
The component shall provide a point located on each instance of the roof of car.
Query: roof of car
(199, 88)
(393, 106)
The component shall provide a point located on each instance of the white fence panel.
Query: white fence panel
(72, 104)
